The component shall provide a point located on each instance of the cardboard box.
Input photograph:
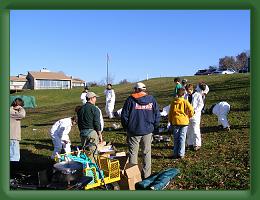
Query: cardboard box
(130, 174)
(118, 154)
(105, 150)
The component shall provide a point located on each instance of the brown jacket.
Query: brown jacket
(15, 122)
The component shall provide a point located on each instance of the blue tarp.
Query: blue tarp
(29, 101)
(158, 181)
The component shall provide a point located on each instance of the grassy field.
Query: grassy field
(223, 162)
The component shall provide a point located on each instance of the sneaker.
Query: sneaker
(166, 139)
(181, 157)
(196, 148)
(227, 129)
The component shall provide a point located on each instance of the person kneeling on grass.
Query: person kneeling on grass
(60, 134)
(180, 112)
(221, 110)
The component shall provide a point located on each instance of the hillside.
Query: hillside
(222, 163)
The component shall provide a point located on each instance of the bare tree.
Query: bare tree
(110, 79)
(124, 81)
(235, 62)
(227, 62)
(241, 60)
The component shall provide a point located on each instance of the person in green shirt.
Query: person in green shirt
(89, 122)
(178, 85)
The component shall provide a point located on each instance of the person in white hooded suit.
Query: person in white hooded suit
(193, 132)
(221, 110)
(110, 100)
(59, 133)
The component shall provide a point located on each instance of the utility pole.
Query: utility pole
(107, 67)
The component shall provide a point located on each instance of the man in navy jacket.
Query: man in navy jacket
(140, 117)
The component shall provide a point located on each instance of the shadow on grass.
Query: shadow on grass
(160, 156)
(166, 146)
(239, 126)
(45, 124)
(245, 109)
(120, 132)
(32, 163)
(119, 145)
(48, 146)
(211, 129)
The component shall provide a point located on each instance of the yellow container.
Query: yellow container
(111, 169)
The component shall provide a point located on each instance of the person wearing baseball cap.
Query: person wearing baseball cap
(140, 117)
(89, 122)
(140, 86)
(90, 95)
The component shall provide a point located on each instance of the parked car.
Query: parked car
(224, 71)
(201, 72)
(205, 71)
(244, 70)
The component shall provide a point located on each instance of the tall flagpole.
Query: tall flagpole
(107, 68)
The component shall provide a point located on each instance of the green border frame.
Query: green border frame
(7, 5)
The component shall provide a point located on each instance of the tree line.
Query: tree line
(234, 62)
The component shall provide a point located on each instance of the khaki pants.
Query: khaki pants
(87, 137)
(145, 142)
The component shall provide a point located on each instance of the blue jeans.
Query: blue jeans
(179, 135)
(14, 150)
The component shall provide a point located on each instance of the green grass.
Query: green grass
(223, 163)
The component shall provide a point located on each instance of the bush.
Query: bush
(124, 81)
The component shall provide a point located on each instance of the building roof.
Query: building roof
(77, 80)
(49, 75)
(16, 78)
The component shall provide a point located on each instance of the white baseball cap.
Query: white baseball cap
(91, 95)
(140, 85)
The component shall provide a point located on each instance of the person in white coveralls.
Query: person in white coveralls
(193, 132)
(110, 100)
(59, 133)
(83, 95)
(204, 94)
(221, 110)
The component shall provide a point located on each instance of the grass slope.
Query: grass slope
(223, 163)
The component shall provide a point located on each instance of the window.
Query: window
(52, 84)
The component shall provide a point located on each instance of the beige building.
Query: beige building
(48, 80)
(76, 82)
(18, 82)
(44, 79)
